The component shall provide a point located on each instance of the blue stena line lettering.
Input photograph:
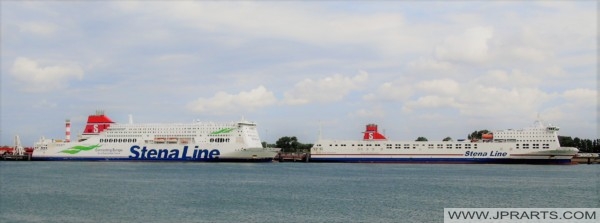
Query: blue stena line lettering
(157, 154)
(482, 154)
(471, 153)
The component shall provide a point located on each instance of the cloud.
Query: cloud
(37, 78)
(373, 112)
(470, 46)
(442, 86)
(38, 28)
(328, 89)
(307, 24)
(423, 64)
(480, 99)
(223, 102)
(581, 96)
(430, 101)
(390, 91)
(529, 53)
(504, 78)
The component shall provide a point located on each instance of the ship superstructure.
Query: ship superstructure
(537, 144)
(103, 139)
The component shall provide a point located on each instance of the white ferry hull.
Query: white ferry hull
(562, 156)
(356, 158)
(152, 152)
(538, 145)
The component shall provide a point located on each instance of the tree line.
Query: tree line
(584, 145)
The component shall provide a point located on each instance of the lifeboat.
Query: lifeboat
(487, 136)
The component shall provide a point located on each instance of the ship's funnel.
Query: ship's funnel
(371, 133)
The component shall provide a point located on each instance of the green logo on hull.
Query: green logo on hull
(77, 149)
(225, 130)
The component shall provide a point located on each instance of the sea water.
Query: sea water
(281, 192)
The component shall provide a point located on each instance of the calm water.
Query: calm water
(278, 192)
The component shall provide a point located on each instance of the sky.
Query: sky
(305, 69)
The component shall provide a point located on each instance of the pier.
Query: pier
(16, 157)
(586, 158)
(292, 157)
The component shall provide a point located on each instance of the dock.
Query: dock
(292, 157)
(586, 158)
(15, 157)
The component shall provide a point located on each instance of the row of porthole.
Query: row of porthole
(219, 140)
(117, 140)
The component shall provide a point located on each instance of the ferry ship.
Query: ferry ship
(105, 140)
(533, 145)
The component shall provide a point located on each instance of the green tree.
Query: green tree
(421, 138)
(304, 147)
(566, 141)
(447, 139)
(287, 143)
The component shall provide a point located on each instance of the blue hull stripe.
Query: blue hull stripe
(442, 160)
(148, 160)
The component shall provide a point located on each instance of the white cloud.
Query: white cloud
(38, 28)
(529, 53)
(502, 78)
(491, 100)
(470, 46)
(390, 91)
(303, 23)
(430, 101)
(424, 64)
(479, 97)
(222, 102)
(328, 89)
(373, 112)
(441, 86)
(581, 96)
(37, 78)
